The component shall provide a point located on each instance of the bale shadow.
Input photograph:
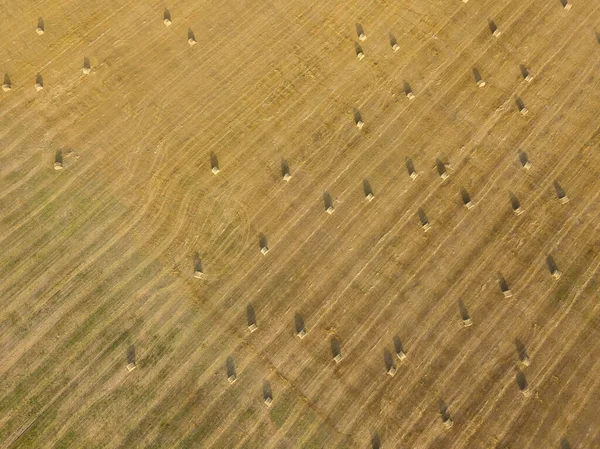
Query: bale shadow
(40, 24)
(514, 201)
(388, 359)
(393, 40)
(466, 198)
(299, 323)
(407, 89)
(262, 241)
(523, 158)
(267, 391)
(398, 346)
(444, 412)
(422, 217)
(492, 25)
(464, 312)
(190, 35)
(521, 380)
(197, 262)
(230, 365)
(86, 63)
(336, 348)
(564, 444)
(564, 3)
(358, 49)
(560, 192)
(327, 200)
(214, 160)
(131, 354)
(367, 188)
(359, 30)
(58, 157)
(357, 116)
(250, 315)
(167, 15)
(39, 80)
(375, 440)
(410, 166)
(502, 282)
(524, 71)
(519, 103)
(551, 264)
(598, 37)
(476, 75)
(521, 350)
(440, 166)
(285, 168)
(7, 80)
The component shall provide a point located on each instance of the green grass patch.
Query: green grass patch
(68, 441)
(282, 408)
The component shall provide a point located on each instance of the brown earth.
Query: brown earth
(97, 259)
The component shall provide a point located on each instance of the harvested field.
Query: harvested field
(139, 306)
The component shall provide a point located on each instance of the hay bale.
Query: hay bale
(131, 366)
(58, 165)
(448, 423)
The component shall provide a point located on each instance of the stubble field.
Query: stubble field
(97, 259)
